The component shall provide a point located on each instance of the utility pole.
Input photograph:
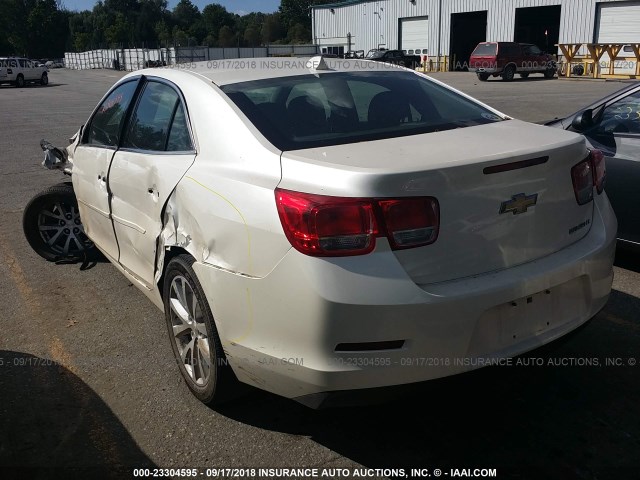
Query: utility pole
(439, 32)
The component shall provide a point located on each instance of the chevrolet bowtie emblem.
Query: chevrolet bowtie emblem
(519, 203)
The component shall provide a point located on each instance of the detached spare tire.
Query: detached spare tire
(52, 226)
(578, 70)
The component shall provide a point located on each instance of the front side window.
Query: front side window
(622, 116)
(158, 122)
(106, 124)
(309, 111)
(532, 50)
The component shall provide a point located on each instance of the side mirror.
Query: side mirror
(583, 121)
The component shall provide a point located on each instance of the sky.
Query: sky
(241, 7)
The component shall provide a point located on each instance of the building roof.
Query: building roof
(345, 3)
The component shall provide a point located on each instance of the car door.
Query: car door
(530, 58)
(25, 69)
(3, 69)
(12, 69)
(91, 161)
(29, 70)
(156, 152)
(617, 134)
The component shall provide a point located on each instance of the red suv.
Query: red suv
(505, 59)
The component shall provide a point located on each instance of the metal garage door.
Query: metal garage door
(619, 22)
(414, 33)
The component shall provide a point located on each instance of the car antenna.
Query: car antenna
(317, 63)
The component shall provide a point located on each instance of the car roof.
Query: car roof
(225, 72)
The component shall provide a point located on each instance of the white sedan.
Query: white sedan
(316, 226)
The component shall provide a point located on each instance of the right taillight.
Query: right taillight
(411, 222)
(325, 226)
(589, 173)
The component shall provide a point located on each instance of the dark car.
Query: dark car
(354, 54)
(396, 57)
(612, 125)
(505, 59)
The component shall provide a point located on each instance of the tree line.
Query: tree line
(46, 29)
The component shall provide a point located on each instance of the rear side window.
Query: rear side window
(179, 136)
(158, 121)
(485, 50)
(531, 50)
(347, 107)
(509, 50)
(106, 124)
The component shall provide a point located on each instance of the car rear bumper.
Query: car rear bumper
(488, 70)
(302, 331)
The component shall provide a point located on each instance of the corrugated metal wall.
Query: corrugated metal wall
(376, 22)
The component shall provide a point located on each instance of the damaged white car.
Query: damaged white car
(327, 227)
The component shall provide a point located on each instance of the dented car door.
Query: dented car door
(91, 162)
(156, 151)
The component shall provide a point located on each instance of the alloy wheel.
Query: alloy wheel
(190, 331)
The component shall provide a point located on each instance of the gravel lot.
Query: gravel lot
(87, 378)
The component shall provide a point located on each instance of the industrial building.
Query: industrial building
(452, 28)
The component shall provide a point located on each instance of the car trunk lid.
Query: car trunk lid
(505, 191)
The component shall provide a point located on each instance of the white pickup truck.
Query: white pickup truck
(19, 71)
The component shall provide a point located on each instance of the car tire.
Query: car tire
(549, 74)
(193, 335)
(524, 75)
(52, 226)
(44, 80)
(20, 81)
(483, 77)
(509, 73)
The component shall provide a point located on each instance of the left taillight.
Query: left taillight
(326, 226)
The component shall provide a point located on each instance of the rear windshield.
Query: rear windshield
(485, 49)
(376, 53)
(309, 111)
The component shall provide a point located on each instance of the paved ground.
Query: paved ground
(112, 398)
